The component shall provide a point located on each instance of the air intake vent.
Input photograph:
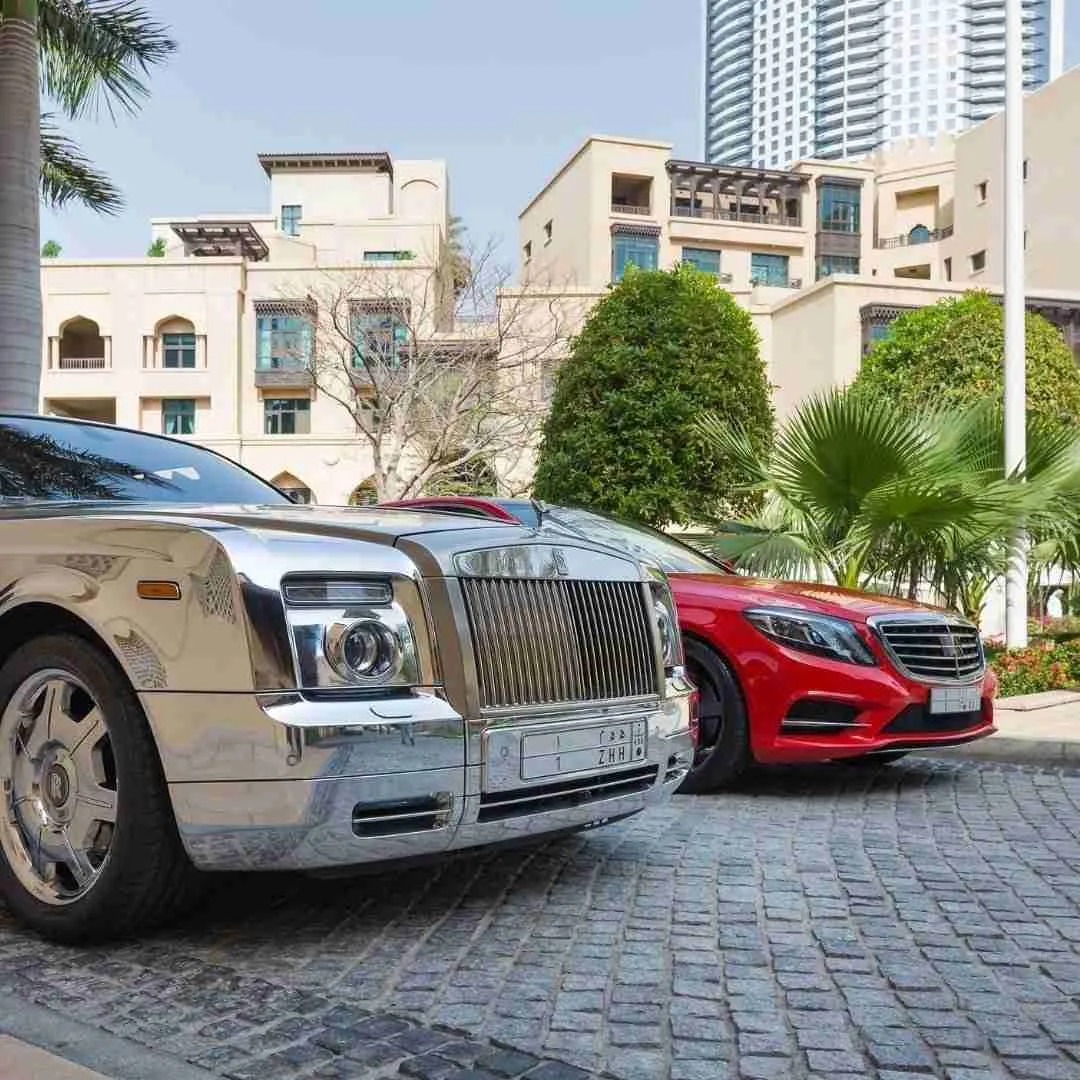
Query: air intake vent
(393, 817)
(495, 806)
(933, 648)
(811, 716)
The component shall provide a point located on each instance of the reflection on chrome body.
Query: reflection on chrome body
(275, 762)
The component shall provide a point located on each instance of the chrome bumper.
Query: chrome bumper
(277, 782)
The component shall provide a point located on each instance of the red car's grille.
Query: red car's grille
(541, 642)
(934, 647)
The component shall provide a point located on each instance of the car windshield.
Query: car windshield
(643, 543)
(56, 460)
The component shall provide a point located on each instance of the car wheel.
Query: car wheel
(88, 843)
(723, 751)
(886, 758)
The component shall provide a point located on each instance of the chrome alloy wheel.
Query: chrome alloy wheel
(59, 787)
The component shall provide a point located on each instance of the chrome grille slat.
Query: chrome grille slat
(550, 641)
(941, 650)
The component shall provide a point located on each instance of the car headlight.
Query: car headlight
(822, 635)
(351, 634)
(667, 625)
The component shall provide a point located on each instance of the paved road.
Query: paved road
(922, 919)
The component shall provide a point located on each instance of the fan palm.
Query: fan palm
(858, 492)
(82, 55)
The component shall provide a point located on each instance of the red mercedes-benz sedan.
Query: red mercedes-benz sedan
(791, 671)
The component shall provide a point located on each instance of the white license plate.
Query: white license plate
(955, 699)
(583, 749)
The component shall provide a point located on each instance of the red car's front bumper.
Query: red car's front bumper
(806, 708)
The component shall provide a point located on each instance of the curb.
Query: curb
(79, 1044)
(1002, 748)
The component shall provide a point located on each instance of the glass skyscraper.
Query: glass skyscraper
(787, 79)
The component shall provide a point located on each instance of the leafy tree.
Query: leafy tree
(661, 350)
(157, 249)
(861, 493)
(51, 250)
(952, 353)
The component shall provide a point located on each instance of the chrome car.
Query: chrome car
(195, 673)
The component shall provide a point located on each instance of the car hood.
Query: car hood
(807, 596)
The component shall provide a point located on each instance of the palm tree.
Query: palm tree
(83, 55)
(860, 493)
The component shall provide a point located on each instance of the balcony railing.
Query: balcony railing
(731, 215)
(82, 363)
(914, 239)
(629, 208)
(773, 281)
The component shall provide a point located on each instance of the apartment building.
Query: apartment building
(837, 78)
(824, 254)
(212, 341)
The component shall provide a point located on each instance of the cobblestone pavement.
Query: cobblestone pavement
(879, 922)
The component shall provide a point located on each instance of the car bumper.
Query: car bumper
(876, 710)
(283, 783)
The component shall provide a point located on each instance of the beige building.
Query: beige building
(209, 341)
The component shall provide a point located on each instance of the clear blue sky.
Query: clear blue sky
(502, 89)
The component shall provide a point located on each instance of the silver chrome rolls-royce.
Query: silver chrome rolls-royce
(197, 674)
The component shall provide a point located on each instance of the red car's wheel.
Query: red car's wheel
(724, 742)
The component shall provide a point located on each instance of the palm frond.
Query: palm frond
(93, 53)
(68, 176)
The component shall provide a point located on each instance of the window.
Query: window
(707, 259)
(178, 350)
(379, 333)
(768, 269)
(837, 264)
(388, 256)
(948, 269)
(527, 250)
(283, 338)
(838, 208)
(978, 261)
(178, 416)
(287, 416)
(919, 235)
(290, 220)
(1027, 168)
(980, 190)
(627, 249)
(547, 232)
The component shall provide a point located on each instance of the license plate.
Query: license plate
(582, 749)
(955, 699)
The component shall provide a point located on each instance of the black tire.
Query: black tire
(885, 758)
(724, 743)
(146, 877)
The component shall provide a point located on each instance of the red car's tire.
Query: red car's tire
(724, 745)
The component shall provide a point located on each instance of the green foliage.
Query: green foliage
(1037, 669)
(94, 54)
(952, 353)
(661, 350)
(157, 249)
(865, 494)
(51, 250)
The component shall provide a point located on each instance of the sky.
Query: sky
(503, 90)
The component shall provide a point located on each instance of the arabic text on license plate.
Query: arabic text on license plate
(582, 749)
(955, 699)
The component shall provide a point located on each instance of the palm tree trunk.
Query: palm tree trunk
(20, 174)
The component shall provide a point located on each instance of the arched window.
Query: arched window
(293, 488)
(176, 342)
(919, 235)
(365, 494)
(81, 345)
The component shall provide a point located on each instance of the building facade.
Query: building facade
(788, 79)
(212, 342)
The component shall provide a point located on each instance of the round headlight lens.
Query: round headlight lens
(363, 650)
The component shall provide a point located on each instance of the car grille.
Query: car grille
(543, 642)
(934, 648)
(497, 806)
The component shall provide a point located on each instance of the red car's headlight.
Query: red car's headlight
(819, 634)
